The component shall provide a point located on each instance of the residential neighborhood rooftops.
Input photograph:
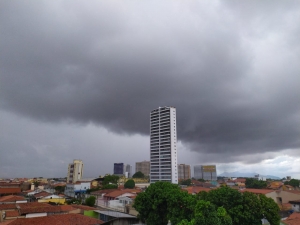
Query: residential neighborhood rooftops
(10, 190)
(11, 213)
(11, 198)
(293, 219)
(42, 194)
(7, 206)
(257, 191)
(83, 207)
(117, 193)
(196, 189)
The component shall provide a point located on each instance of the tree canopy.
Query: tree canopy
(243, 208)
(254, 183)
(138, 174)
(90, 201)
(129, 184)
(187, 182)
(163, 201)
(111, 179)
(293, 182)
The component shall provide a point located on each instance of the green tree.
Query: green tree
(110, 179)
(163, 201)
(243, 208)
(206, 213)
(109, 186)
(90, 201)
(129, 184)
(294, 183)
(59, 189)
(36, 183)
(187, 182)
(138, 174)
(270, 210)
(254, 183)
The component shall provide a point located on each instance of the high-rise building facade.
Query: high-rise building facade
(75, 171)
(184, 172)
(163, 149)
(206, 172)
(143, 167)
(122, 169)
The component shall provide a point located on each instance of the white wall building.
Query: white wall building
(75, 171)
(74, 190)
(163, 149)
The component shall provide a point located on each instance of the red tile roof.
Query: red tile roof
(66, 208)
(42, 194)
(13, 213)
(11, 198)
(293, 219)
(10, 190)
(65, 219)
(83, 207)
(257, 191)
(117, 193)
(196, 189)
(7, 206)
(37, 207)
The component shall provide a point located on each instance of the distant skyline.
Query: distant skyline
(78, 81)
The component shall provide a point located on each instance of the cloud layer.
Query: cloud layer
(231, 69)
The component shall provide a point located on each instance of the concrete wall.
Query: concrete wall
(284, 195)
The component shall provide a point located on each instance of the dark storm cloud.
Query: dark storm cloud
(230, 70)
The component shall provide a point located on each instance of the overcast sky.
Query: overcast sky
(78, 80)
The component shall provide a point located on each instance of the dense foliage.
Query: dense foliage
(110, 179)
(129, 184)
(243, 208)
(138, 174)
(187, 182)
(254, 183)
(90, 201)
(164, 201)
(60, 189)
(109, 186)
(293, 182)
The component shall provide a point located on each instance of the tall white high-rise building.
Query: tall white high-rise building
(75, 171)
(163, 145)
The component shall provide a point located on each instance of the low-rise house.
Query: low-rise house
(77, 189)
(280, 197)
(115, 198)
(295, 205)
(53, 199)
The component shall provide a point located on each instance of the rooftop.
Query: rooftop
(115, 214)
(64, 219)
(11, 198)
